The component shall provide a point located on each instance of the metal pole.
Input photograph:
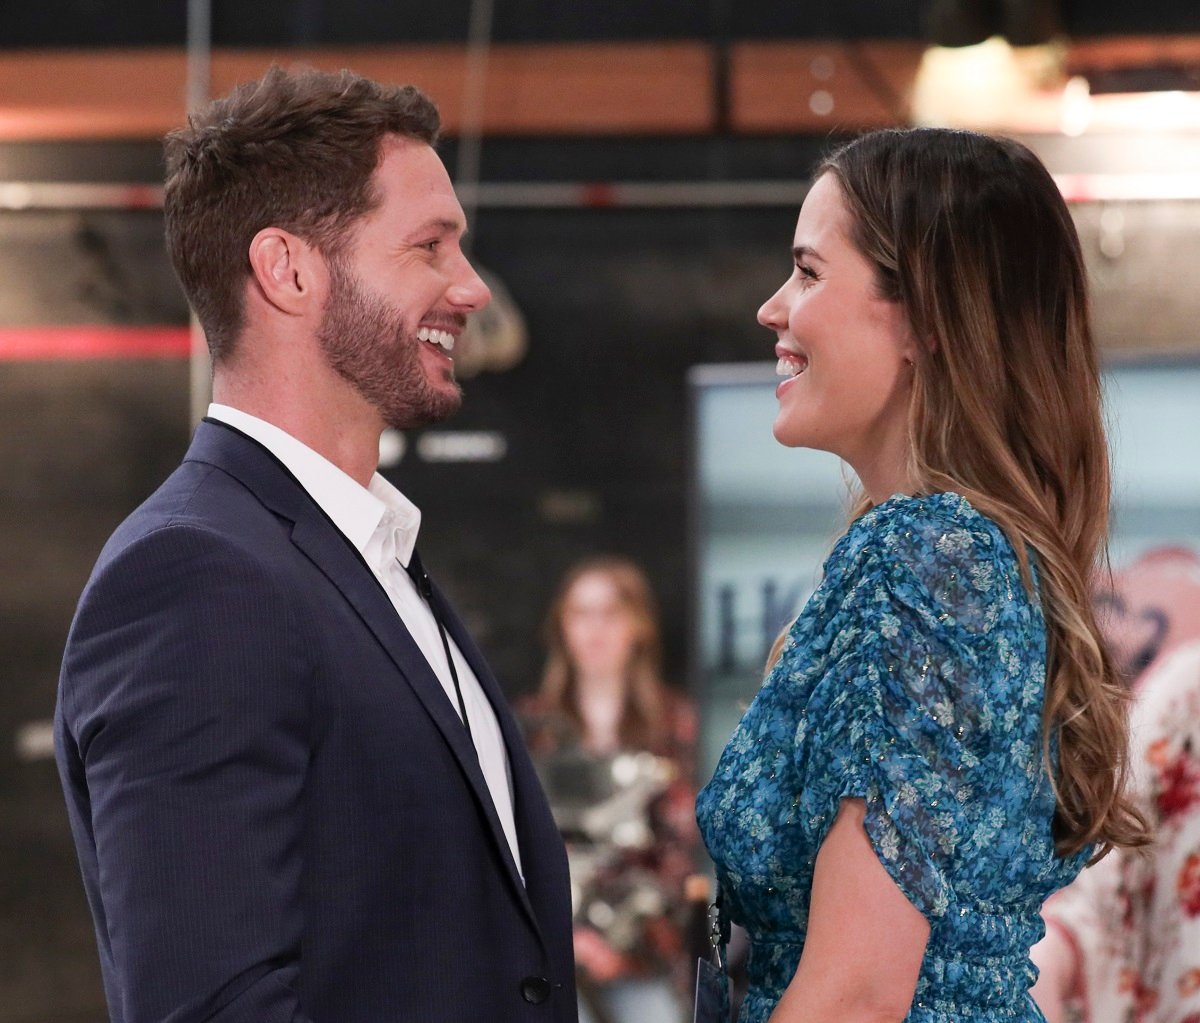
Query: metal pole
(470, 139)
(199, 53)
(1164, 186)
(199, 84)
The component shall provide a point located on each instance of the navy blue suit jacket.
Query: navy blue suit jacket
(279, 815)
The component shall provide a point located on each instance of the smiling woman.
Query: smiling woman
(846, 352)
(910, 777)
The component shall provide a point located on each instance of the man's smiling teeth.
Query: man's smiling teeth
(788, 367)
(442, 338)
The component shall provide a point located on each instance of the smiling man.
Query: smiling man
(296, 790)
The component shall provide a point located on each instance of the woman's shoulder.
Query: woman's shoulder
(936, 554)
(926, 534)
(530, 705)
(546, 728)
(679, 712)
(938, 524)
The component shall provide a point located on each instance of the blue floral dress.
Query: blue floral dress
(913, 679)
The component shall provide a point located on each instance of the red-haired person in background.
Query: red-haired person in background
(1123, 940)
(614, 744)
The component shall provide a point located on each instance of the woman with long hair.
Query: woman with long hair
(614, 745)
(940, 740)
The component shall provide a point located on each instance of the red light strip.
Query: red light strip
(31, 344)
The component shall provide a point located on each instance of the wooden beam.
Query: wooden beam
(1116, 52)
(818, 86)
(584, 89)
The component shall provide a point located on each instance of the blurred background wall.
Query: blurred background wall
(634, 172)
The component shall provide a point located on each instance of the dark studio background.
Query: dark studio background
(619, 304)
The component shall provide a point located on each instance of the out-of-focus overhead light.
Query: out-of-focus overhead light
(991, 85)
(969, 22)
(997, 87)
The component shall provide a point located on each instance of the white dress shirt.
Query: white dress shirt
(382, 524)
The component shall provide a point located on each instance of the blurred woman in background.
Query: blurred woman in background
(614, 745)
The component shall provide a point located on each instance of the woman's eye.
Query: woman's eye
(806, 271)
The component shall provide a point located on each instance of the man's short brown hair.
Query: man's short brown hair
(294, 150)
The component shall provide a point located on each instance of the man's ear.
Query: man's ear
(286, 270)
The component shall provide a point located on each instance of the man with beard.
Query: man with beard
(296, 791)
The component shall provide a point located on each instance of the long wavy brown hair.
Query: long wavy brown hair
(644, 721)
(970, 234)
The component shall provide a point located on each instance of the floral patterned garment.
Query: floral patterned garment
(646, 882)
(912, 679)
(1134, 918)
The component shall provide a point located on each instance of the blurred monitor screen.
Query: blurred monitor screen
(764, 517)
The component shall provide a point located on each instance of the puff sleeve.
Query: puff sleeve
(929, 704)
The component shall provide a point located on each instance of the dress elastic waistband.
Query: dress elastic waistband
(950, 983)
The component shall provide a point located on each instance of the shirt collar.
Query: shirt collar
(364, 515)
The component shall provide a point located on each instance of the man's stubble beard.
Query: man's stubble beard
(366, 343)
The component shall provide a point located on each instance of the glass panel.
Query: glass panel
(764, 517)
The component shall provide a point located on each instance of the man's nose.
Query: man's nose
(470, 290)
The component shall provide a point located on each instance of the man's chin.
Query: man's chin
(435, 409)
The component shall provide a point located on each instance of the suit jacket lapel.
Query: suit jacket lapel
(321, 541)
(535, 823)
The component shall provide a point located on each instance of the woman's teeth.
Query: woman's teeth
(787, 367)
(442, 338)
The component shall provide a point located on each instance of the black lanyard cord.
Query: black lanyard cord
(416, 572)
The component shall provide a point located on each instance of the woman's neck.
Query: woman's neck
(601, 703)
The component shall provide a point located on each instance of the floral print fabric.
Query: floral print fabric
(913, 679)
(1134, 918)
(644, 880)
